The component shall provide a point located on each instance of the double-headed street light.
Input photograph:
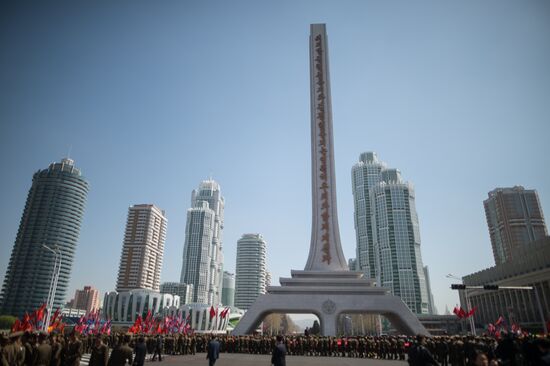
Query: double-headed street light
(53, 283)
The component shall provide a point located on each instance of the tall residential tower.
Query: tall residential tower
(515, 218)
(202, 252)
(143, 249)
(52, 217)
(388, 235)
(365, 175)
(251, 273)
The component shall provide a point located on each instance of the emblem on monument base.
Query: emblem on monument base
(328, 307)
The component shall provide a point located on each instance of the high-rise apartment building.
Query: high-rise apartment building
(387, 230)
(143, 249)
(202, 252)
(183, 290)
(86, 299)
(52, 217)
(365, 175)
(250, 276)
(228, 289)
(515, 218)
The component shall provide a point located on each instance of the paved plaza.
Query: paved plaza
(241, 359)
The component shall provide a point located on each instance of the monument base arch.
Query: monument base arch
(327, 295)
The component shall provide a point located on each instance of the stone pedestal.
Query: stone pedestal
(327, 295)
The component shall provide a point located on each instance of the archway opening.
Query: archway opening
(290, 324)
(360, 324)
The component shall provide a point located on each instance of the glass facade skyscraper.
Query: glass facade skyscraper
(202, 252)
(52, 216)
(387, 230)
(365, 175)
(251, 273)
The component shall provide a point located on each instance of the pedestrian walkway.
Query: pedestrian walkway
(85, 359)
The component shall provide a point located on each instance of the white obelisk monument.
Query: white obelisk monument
(326, 287)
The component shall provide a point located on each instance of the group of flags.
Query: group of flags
(91, 323)
(213, 312)
(35, 321)
(500, 327)
(167, 325)
(463, 314)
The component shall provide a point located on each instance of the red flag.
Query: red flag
(54, 317)
(499, 320)
(15, 326)
(40, 312)
(458, 312)
(471, 312)
(212, 312)
(224, 313)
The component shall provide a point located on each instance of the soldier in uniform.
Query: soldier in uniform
(56, 350)
(43, 352)
(73, 351)
(141, 351)
(14, 352)
(3, 344)
(121, 354)
(100, 353)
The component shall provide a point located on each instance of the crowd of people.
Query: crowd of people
(42, 349)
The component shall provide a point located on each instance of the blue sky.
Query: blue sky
(153, 97)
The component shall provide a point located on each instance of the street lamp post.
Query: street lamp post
(468, 305)
(53, 283)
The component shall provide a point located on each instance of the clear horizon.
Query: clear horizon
(150, 100)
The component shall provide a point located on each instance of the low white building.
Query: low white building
(125, 306)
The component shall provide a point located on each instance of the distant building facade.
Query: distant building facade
(365, 175)
(143, 249)
(53, 217)
(86, 299)
(529, 265)
(228, 290)
(514, 218)
(387, 231)
(251, 269)
(183, 290)
(352, 264)
(431, 305)
(202, 252)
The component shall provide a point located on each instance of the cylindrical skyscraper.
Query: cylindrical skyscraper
(52, 216)
(250, 276)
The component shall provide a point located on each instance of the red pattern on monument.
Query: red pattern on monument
(321, 123)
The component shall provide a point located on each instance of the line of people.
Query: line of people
(27, 349)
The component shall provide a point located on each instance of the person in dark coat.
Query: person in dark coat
(278, 357)
(100, 353)
(419, 355)
(213, 351)
(141, 351)
(74, 351)
(121, 354)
